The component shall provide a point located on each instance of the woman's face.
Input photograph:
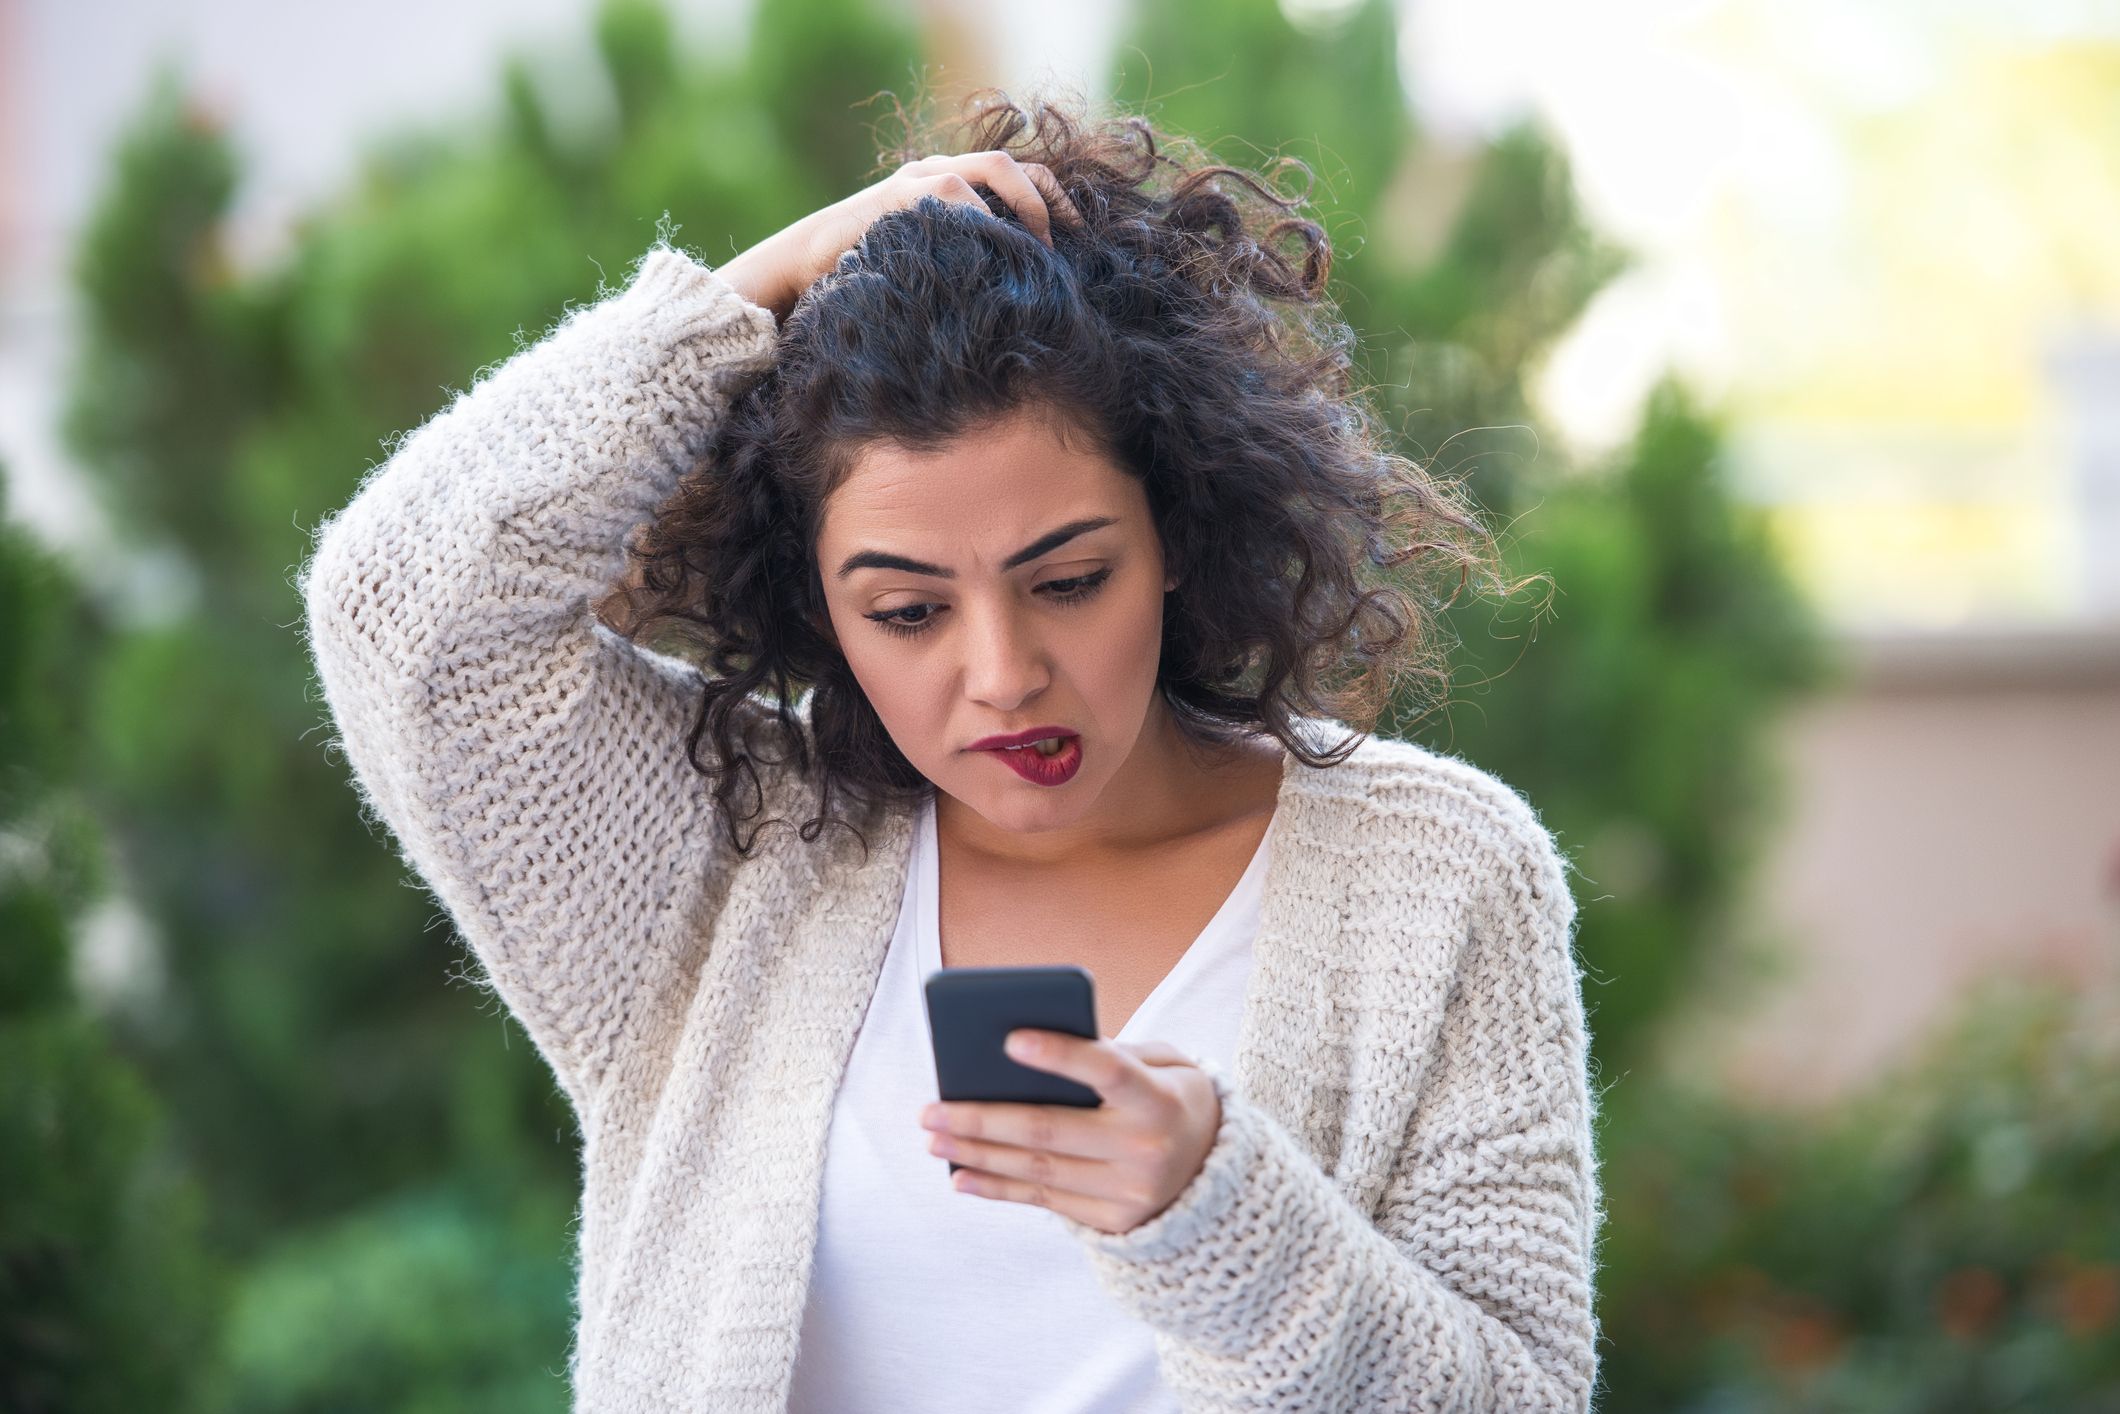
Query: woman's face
(1007, 582)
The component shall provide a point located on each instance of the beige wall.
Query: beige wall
(1955, 809)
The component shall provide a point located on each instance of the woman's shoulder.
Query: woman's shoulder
(1394, 795)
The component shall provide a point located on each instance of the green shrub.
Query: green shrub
(106, 1291)
(1946, 1240)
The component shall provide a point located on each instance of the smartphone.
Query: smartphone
(971, 1010)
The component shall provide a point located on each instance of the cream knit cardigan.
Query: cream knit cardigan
(1401, 1207)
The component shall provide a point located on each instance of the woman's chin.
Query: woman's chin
(1025, 817)
(1020, 807)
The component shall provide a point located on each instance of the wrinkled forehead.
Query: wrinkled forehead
(984, 493)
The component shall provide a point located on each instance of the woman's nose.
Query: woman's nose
(1007, 661)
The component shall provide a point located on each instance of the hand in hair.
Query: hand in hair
(775, 272)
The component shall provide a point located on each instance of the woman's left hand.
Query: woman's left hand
(1113, 1167)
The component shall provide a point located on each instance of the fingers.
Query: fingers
(1157, 1052)
(1114, 1069)
(1104, 1214)
(1029, 188)
(1013, 185)
(1056, 200)
(982, 1126)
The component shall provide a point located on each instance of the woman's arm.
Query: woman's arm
(530, 763)
(1472, 1290)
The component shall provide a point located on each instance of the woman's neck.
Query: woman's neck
(1169, 789)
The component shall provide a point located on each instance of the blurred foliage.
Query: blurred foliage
(1945, 1242)
(100, 1223)
(420, 1304)
(389, 1171)
(1637, 717)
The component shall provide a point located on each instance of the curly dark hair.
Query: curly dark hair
(1171, 332)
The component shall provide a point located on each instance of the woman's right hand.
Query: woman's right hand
(776, 271)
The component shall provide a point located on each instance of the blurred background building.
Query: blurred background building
(1880, 234)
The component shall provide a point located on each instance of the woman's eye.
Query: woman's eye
(1080, 587)
(899, 624)
(1065, 591)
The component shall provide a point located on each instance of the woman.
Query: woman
(1035, 440)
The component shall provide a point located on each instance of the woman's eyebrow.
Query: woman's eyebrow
(1043, 545)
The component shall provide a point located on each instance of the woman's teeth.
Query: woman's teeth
(1048, 747)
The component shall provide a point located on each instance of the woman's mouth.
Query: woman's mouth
(1051, 762)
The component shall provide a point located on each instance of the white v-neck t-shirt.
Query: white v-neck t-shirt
(925, 1300)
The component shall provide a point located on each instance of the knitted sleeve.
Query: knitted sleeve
(530, 763)
(1471, 1289)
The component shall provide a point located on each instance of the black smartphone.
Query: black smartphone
(971, 1010)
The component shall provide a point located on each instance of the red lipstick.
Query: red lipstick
(1016, 751)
